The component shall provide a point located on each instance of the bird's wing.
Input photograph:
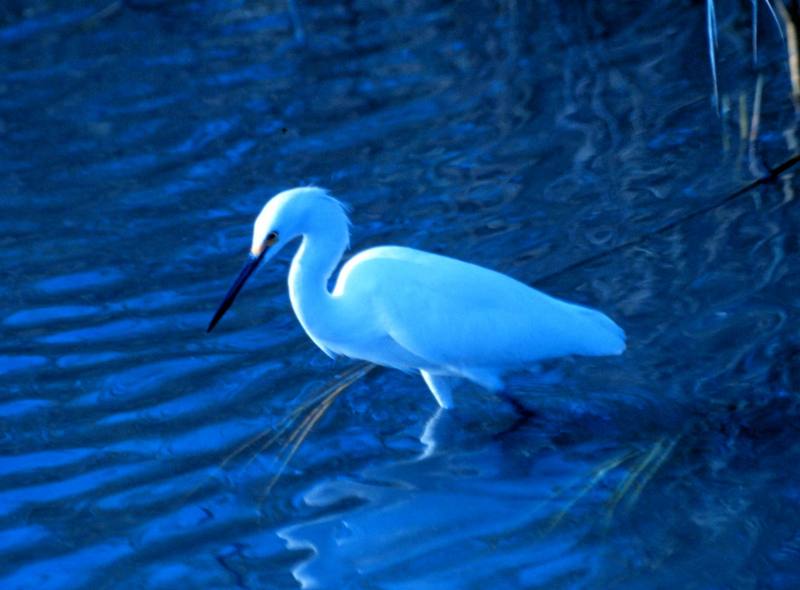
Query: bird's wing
(457, 314)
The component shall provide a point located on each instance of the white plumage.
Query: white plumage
(413, 310)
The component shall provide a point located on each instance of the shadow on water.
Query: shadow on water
(139, 138)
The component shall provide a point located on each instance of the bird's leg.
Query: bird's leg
(440, 389)
(493, 381)
(524, 413)
(521, 409)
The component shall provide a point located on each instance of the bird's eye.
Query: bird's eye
(272, 237)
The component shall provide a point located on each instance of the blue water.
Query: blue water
(139, 139)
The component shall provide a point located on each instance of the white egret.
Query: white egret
(413, 310)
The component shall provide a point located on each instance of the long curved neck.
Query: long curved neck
(312, 267)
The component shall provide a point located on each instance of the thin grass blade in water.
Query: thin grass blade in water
(711, 27)
(299, 434)
(286, 422)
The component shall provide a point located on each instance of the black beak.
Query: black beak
(230, 296)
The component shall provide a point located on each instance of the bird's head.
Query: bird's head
(286, 216)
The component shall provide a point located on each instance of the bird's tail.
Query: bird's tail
(601, 336)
